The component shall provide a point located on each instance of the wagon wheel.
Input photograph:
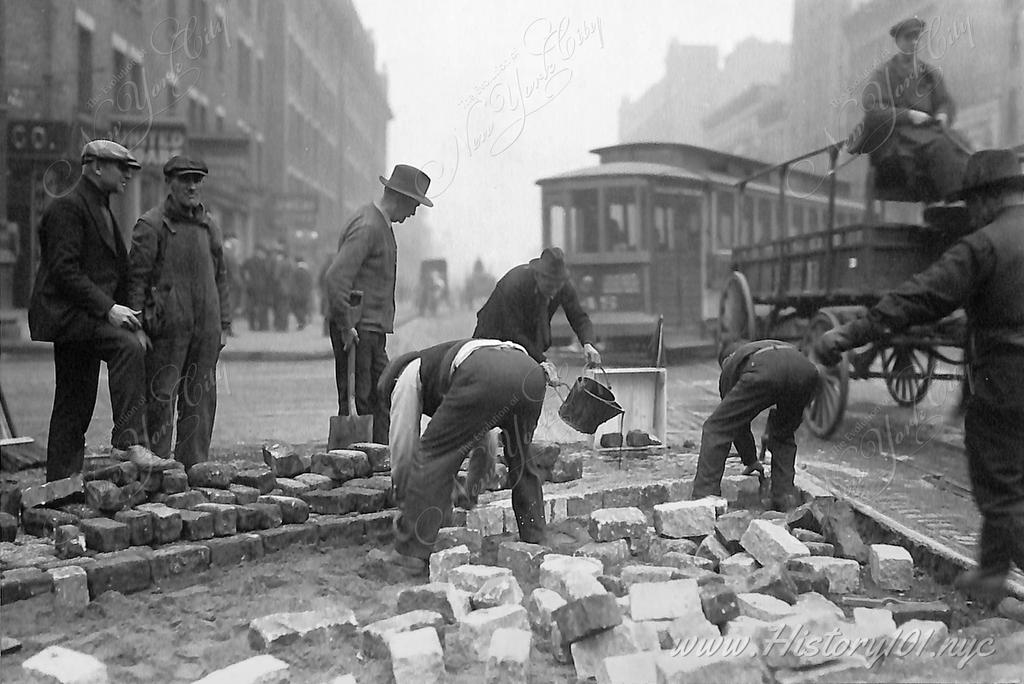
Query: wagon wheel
(908, 373)
(736, 311)
(825, 411)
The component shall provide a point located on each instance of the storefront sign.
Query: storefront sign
(38, 139)
(294, 211)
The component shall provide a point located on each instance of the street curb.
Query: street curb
(941, 559)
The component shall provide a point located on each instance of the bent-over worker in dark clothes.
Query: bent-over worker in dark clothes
(467, 387)
(756, 376)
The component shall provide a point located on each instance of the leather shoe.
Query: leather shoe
(982, 585)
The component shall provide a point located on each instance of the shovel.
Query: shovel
(353, 428)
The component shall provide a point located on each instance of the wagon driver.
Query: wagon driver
(984, 273)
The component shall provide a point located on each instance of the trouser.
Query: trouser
(783, 378)
(258, 313)
(994, 441)
(500, 388)
(371, 359)
(77, 371)
(938, 161)
(181, 373)
(282, 309)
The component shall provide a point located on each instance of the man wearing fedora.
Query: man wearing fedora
(523, 302)
(367, 260)
(908, 114)
(178, 266)
(80, 303)
(984, 274)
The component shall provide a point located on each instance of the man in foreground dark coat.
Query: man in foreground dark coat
(522, 305)
(756, 376)
(984, 274)
(79, 303)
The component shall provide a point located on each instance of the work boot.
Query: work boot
(786, 502)
(982, 585)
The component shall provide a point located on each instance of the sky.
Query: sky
(460, 72)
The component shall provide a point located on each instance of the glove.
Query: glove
(829, 347)
(591, 354)
(550, 372)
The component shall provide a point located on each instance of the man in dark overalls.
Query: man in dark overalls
(984, 273)
(756, 376)
(178, 251)
(467, 387)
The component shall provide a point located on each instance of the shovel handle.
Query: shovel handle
(351, 354)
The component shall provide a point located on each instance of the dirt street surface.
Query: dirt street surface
(197, 624)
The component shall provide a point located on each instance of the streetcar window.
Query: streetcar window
(764, 219)
(751, 235)
(622, 221)
(814, 220)
(662, 225)
(726, 220)
(583, 221)
(557, 228)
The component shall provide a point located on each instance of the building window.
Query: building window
(84, 68)
(259, 80)
(622, 221)
(127, 93)
(220, 122)
(726, 220)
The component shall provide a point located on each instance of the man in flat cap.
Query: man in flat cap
(367, 259)
(180, 280)
(522, 305)
(908, 115)
(984, 274)
(80, 303)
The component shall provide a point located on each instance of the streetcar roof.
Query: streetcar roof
(628, 169)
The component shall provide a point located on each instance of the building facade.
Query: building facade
(694, 86)
(254, 87)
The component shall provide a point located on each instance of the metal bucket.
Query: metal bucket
(588, 405)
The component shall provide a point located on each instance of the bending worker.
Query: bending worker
(755, 376)
(467, 387)
(523, 302)
(984, 273)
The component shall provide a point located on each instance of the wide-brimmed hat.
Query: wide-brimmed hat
(409, 181)
(911, 24)
(551, 263)
(989, 169)
(108, 150)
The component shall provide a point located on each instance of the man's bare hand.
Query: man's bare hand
(124, 317)
(918, 117)
(143, 339)
(349, 337)
(550, 372)
(592, 356)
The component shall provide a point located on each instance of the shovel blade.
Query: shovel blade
(346, 430)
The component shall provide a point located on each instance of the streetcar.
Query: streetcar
(649, 233)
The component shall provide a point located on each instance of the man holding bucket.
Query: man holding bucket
(467, 387)
(523, 302)
(755, 376)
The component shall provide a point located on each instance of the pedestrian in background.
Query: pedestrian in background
(80, 303)
(301, 291)
(233, 268)
(256, 275)
(756, 376)
(984, 274)
(523, 302)
(178, 260)
(467, 387)
(281, 287)
(367, 260)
